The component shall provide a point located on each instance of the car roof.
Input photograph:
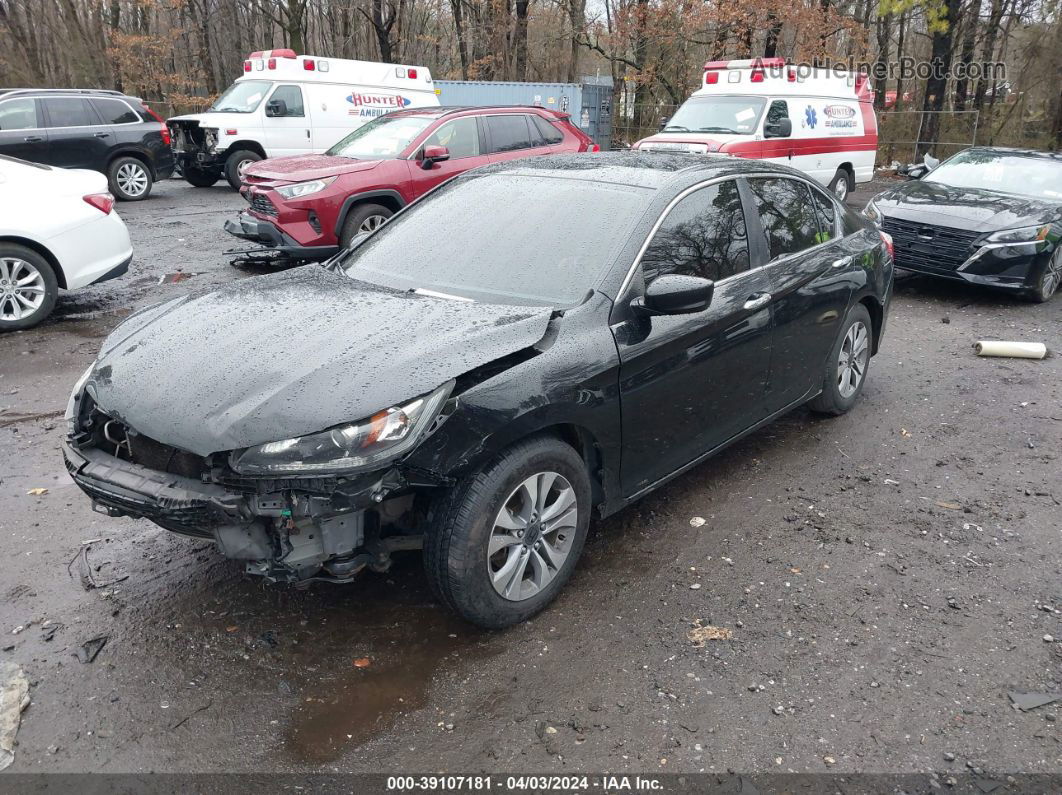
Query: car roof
(1009, 150)
(105, 92)
(654, 170)
(447, 110)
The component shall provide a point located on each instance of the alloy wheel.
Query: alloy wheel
(1052, 275)
(371, 224)
(840, 190)
(242, 166)
(132, 179)
(852, 360)
(22, 289)
(532, 536)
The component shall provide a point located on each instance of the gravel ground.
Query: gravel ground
(885, 579)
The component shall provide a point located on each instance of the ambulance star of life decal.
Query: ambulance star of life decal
(811, 118)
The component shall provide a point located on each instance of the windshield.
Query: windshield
(735, 115)
(1025, 175)
(504, 239)
(242, 97)
(382, 138)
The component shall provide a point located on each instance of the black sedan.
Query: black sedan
(531, 344)
(987, 215)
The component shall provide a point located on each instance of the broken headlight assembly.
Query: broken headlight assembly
(71, 403)
(353, 447)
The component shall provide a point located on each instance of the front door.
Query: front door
(76, 136)
(461, 137)
(22, 132)
(810, 269)
(286, 125)
(689, 383)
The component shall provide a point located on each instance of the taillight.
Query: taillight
(104, 202)
(594, 148)
(165, 130)
(886, 238)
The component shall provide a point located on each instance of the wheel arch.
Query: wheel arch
(877, 317)
(250, 145)
(136, 154)
(391, 199)
(33, 245)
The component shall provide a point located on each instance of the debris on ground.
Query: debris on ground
(1014, 350)
(697, 521)
(38, 492)
(90, 649)
(362, 662)
(192, 714)
(951, 506)
(14, 698)
(174, 278)
(84, 568)
(700, 635)
(1028, 701)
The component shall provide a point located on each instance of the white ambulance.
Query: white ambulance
(820, 121)
(288, 104)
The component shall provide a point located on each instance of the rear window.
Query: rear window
(787, 215)
(549, 134)
(115, 111)
(69, 112)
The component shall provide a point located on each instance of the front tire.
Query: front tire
(362, 219)
(236, 163)
(505, 540)
(129, 179)
(28, 287)
(841, 185)
(1049, 280)
(199, 178)
(847, 365)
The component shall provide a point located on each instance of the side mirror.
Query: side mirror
(663, 123)
(276, 107)
(432, 155)
(675, 295)
(917, 172)
(782, 128)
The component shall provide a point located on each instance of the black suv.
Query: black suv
(105, 131)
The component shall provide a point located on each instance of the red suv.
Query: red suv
(309, 206)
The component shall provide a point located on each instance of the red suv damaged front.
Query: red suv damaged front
(309, 206)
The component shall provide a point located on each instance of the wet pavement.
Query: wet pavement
(887, 577)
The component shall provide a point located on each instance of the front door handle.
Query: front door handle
(33, 139)
(843, 262)
(100, 135)
(757, 301)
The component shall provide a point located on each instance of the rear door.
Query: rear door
(285, 122)
(688, 383)
(810, 272)
(22, 132)
(510, 136)
(463, 139)
(76, 136)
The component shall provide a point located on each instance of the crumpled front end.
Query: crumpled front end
(288, 530)
(194, 144)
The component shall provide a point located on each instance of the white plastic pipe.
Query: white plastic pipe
(1021, 350)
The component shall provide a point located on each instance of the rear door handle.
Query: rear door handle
(33, 139)
(757, 301)
(100, 135)
(843, 262)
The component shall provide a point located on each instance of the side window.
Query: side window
(779, 110)
(460, 136)
(115, 111)
(508, 133)
(703, 235)
(19, 114)
(786, 213)
(292, 97)
(826, 212)
(550, 134)
(69, 112)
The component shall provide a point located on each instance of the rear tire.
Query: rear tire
(489, 509)
(236, 162)
(841, 185)
(362, 218)
(1049, 280)
(847, 365)
(199, 178)
(129, 179)
(25, 278)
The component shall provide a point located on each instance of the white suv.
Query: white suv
(58, 229)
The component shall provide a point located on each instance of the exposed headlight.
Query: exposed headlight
(873, 212)
(381, 438)
(304, 188)
(71, 404)
(1026, 234)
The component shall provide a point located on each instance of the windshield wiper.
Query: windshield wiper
(716, 129)
(678, 127)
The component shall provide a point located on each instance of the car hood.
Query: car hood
(285, 355)
(974, 209)
(300, 168)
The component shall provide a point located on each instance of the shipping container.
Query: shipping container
(589, 102)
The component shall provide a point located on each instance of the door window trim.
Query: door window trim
(431, 131)
(490, 135)
(86, 98)
(276, 87)
(39, 112)
(111, 124)
(629, 278)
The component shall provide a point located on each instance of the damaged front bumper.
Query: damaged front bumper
(288, 531)
(246, 227)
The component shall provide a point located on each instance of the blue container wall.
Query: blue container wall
(589, 104)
